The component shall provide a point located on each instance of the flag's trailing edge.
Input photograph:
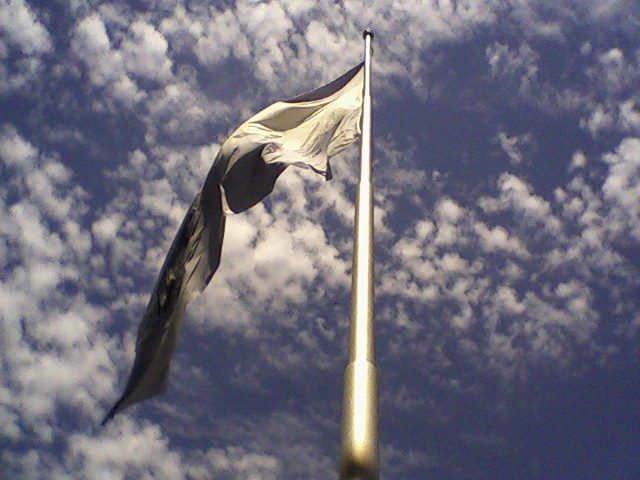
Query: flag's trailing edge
(304, 131)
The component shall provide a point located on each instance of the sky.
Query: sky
(507, 176)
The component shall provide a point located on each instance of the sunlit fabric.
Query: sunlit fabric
(305, 132)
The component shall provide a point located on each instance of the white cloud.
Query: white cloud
(298, 8)
(267, 37)
(15, 150)
(498, 239)
(92, 45)
(515, 65)
(327, 45)
(532, 18)
(181, 111)
(218, 38)
(613, 75)
(19, 75)
(236, 463)
(614, 71)
(622, 185)
(517, 195)
(630, 115)
(613, 116)
(159, 197)
(578, 160)
(513, 146)
(106, 229)
(52, 351)
(105, 65)
(122, 451)
(534, 295)
(22, 28)
(126, 91)
(277, 445)
(599, 119)
(144, 52)
(182, 29)
(449, 211)
(8, 417)
(32, 464)
(507, 284)
(398, 462)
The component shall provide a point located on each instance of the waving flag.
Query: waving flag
(305, 132)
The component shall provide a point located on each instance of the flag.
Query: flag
(304, 131)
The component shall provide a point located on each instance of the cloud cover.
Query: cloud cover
(507, 243)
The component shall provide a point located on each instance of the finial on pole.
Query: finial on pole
(367, 32)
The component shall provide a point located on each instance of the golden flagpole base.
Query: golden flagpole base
(359, 451)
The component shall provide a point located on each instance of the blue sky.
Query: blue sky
(507, 173)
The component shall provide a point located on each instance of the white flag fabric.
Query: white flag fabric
(304, 131)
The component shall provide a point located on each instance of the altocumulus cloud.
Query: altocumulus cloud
(507, 175)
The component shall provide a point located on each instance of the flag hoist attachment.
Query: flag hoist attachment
(359, 436)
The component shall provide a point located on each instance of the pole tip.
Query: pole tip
(367, 32)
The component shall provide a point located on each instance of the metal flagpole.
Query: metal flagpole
(359, 438)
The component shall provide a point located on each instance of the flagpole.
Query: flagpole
(359, 436)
